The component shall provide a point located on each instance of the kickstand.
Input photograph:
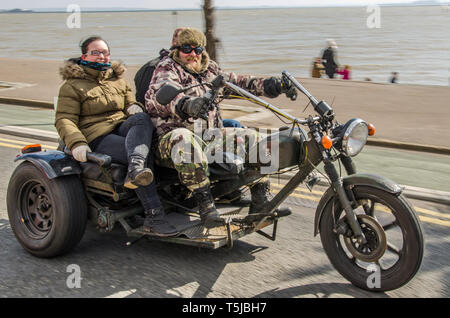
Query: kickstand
(274, 232)
(229, 234)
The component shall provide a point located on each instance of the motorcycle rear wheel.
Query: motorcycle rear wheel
(385, 219)
(48, 216)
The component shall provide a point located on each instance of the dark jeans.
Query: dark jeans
(231, 123)
(132, 137)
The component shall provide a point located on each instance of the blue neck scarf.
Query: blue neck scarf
(95, 65)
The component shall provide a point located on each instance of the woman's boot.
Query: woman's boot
(138, 175)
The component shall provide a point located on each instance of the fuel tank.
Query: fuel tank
(282, 149)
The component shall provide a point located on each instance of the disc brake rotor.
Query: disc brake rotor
(376, 244)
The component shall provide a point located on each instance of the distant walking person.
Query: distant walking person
(345, 72)
(329, 58)
(394, 78)
(317, 69)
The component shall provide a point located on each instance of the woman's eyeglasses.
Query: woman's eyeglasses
(187, 49)
(98, 53)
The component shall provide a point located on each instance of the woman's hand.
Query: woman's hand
(79, 153)
(134, 109)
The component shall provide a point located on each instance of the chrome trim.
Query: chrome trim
(348, 132)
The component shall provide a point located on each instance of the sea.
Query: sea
(374, 41)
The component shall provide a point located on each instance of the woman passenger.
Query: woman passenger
(97, 112)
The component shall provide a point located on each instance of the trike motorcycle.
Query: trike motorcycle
(365, 222)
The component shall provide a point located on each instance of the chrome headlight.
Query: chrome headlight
(355, 137)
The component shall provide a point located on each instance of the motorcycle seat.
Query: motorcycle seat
(116, 171)
(229, 169)
(225, 171)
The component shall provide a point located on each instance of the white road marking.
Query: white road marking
(122, 294)
(185, 291)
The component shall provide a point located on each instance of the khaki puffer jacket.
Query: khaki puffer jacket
(91, 103)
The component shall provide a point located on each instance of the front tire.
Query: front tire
(48, 216)
(388, 217)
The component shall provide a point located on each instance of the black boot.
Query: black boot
(206, 208)
(261, 196)
(138, 175)
(155, 223)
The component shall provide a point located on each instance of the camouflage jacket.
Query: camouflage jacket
(165, 118)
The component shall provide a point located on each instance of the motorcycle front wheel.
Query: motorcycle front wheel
(394, 249)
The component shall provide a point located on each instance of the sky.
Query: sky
(183, 4)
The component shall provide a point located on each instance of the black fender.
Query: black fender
(361, 179)
(52, 163)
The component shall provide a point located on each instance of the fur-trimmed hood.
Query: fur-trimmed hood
(72, 70)
(91, 103)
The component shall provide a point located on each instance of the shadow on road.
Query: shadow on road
(108, 266)
(155, 269)
(323, 290)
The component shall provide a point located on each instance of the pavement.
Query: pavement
(410, 118)
(401, 113)
(423, 174)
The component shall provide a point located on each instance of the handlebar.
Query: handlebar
(300, 87)
(267, 105)
(101, 159)
(211, 95)
(168, 92)
(322, 108)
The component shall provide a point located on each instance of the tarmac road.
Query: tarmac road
(294, 265)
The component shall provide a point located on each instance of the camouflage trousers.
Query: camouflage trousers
(190, 153)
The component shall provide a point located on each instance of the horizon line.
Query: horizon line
(132, 9)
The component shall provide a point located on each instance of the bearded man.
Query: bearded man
(189, 64)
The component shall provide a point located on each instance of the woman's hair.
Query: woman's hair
(84, 43)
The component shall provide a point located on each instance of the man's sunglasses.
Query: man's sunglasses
(187, 49)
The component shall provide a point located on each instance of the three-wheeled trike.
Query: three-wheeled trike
(363, 219)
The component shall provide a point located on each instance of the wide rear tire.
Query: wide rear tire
(48, 216)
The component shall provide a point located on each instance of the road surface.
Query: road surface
(294, 265)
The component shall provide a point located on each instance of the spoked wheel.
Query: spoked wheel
(48, 216)
(394, 249)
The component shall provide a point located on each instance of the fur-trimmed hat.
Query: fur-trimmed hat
(175, 37)
(191, 36)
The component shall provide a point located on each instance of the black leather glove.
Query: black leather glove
(274, 86)
(196, 107)
(288, 88)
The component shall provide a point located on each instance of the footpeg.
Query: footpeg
(254, 217)
(283, 212)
